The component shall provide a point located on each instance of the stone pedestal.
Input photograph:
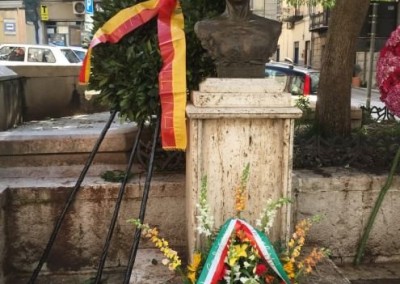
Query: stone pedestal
(233, 122)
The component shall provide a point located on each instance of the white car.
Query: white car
(35, 54)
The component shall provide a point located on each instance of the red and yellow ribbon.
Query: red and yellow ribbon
(172, 77)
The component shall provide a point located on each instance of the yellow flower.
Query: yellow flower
(173, 259)
(296, 252)
(238, 252)
(193, 267)
(289, 268)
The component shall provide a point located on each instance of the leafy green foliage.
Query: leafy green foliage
(324, 3)
(115, 176)
(126, 73)
(303, 103)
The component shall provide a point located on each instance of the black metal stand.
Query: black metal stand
(117, 207)
(71, 198)
(143, 204)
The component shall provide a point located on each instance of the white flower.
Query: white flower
(205, 222)
(267, 216)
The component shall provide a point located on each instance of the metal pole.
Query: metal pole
(71, 198)
(371, 53)
(118, 205)
(143, 204)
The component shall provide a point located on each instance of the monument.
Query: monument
(239, 41)
(237, 119)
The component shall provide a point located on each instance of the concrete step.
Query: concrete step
(66, 141)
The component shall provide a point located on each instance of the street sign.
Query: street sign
(44, 13)
(10, 27)
(89, 7)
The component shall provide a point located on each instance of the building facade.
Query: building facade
(13, 25)
(304, 33)
(59, 22)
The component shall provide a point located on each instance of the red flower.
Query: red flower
(388, 72)
(261, 269)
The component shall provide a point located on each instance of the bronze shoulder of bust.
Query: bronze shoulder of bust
(239, 40)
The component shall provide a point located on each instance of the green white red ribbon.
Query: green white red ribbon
(172, 77)
(214, 265)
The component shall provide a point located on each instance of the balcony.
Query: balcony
(292, 18)
(319, 21)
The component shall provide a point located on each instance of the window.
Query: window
(70, 55)
(296, 52)
(12, 53)
(297, 85)
(43, 55)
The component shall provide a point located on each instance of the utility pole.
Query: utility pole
(371, 53)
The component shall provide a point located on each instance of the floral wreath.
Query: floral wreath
(388, 73)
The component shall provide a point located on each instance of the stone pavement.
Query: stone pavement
(148, 269)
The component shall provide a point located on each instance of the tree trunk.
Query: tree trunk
(334, 92)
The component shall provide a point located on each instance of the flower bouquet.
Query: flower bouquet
(237, 252)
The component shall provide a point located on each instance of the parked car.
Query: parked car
(35, 54)
(299, 80)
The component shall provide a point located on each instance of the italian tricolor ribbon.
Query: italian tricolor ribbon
(172, 76)
(214, 264)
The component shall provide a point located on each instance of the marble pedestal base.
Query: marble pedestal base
(233, 122)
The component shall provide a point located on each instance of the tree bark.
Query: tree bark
(334, 92)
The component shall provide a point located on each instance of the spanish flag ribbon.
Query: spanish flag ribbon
(172, 77)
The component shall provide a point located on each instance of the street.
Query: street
(359, 97)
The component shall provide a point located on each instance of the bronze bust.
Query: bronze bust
(239, 41)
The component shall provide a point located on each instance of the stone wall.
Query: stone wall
(2, 233)
(11, 98)
(343, 197)
(32, 211)
(53, 91)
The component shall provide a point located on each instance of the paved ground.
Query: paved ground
(148, 269)
(83, 122)
(374, 273)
